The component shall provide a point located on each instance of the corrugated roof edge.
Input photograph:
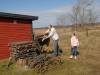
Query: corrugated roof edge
(12, 15)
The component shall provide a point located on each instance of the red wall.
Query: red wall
(10, 32)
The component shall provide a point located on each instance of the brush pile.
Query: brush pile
(31, 52)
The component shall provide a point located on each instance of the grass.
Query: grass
(88, 62)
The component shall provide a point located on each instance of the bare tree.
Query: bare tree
(84, 5)
(74, 16)
(62, 20)
(83, 15)
(92, 17)
(80, 12)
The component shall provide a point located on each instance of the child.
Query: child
(74, 44)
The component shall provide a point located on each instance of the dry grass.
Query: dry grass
(88, 62)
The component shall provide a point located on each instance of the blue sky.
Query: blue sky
(46, 10)
(33, 5)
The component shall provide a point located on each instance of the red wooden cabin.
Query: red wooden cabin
(14, 28)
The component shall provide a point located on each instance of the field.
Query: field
(88, 62)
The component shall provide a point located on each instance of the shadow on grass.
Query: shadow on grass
(50, 52)
(77, 53)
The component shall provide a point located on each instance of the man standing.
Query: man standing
(52, 33)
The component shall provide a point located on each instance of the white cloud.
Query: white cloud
(47, 17)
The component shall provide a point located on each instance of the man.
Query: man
(52, 33)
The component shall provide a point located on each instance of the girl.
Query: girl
(74, 44)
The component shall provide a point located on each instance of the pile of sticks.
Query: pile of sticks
(31, 52)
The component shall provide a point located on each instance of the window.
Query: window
(15, 21)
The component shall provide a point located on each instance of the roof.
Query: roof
(12, 15)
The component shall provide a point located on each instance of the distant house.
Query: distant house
(14, 28)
